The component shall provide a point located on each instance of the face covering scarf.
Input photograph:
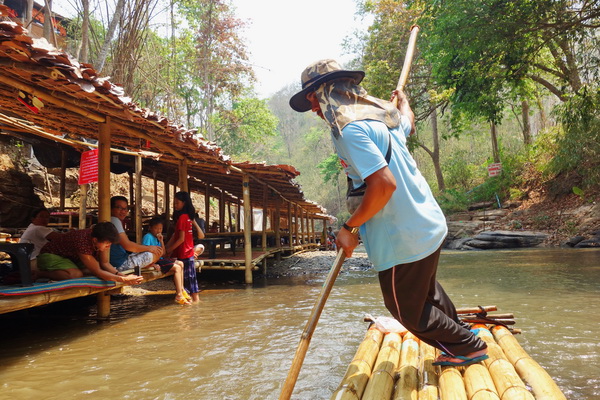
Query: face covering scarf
(343, 102)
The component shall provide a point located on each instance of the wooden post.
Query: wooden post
(296, 233)
(312, 231)
(138, 199)
(222, 212)
(83, 189)
(247, 228)
(155, 193)
(290, 232)
(264, 221)
(63, 180)
(238, 227)
(103, 305)
(230, 219)
(277, 226)
(324, 233)
(131, 188)
(265, 215)
(167, 206)
(104, 138)
(183, 176)
(207, 207)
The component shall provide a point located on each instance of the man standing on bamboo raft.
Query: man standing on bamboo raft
(400, 223)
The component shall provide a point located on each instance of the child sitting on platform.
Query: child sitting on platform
(168, 266)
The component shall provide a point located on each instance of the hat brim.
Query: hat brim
(300, 103)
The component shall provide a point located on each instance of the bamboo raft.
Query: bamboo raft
(397, 366)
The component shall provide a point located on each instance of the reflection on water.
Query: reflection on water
(239, 343)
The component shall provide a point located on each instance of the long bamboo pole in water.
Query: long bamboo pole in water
(407, 385)
(543, 386)
(381, 383)
(311, 325)
(506, 380)
(358, 373)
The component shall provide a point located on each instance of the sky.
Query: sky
(285, 36)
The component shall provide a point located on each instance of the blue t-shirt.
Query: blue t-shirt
(411, 226)
(150, 240)
(118, 255)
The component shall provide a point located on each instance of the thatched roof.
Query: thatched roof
(76, 101)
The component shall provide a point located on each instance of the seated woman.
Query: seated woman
(82, 252)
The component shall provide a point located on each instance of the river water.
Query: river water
(239, 342)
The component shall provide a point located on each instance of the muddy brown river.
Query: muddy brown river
(240, 341)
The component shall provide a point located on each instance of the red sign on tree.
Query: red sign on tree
(494, 169)
(88, 167)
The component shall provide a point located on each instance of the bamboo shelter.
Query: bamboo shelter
(397, 366)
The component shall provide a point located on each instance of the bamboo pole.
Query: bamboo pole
(542, 385)
(183, 176)
(264, 220)
(83, 189)
(207, 206)
(277, 226)
(311, 324)
(357, 375)
(104, 139)
(479, 383)
(155, 182)
(167, 205)
(381, 383)
(407, 386)
(451, 384)
(247, 229)
(138, 199)
(290, 232)
(222, 212)
(63, 180)
(508, 384)
(473, 310)
(428, 378)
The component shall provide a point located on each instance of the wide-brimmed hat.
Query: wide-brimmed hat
(317, 73)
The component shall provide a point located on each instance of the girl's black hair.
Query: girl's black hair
(188, 207)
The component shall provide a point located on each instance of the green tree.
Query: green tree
(245, 127)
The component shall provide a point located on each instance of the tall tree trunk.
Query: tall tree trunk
(436, 152)
(85, 29)
(109, 35)
(494, 136)
(526, 125)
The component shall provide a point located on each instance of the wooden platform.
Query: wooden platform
(399, 366)
(226, 260)
(15, 303)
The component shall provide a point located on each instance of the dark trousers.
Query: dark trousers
(414, 297)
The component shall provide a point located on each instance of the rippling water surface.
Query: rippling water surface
(239, 342)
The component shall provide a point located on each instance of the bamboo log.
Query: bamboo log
(407, 384)
(247, 229)
(357, 375)
(475, 320)
(543, 386)
(451, 384)
(479, 383)
(381, 383)
(473, 310)
(428, 377)
(506, 380)
(491, 316)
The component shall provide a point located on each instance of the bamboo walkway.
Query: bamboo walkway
(225, 260)
(395, 366)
